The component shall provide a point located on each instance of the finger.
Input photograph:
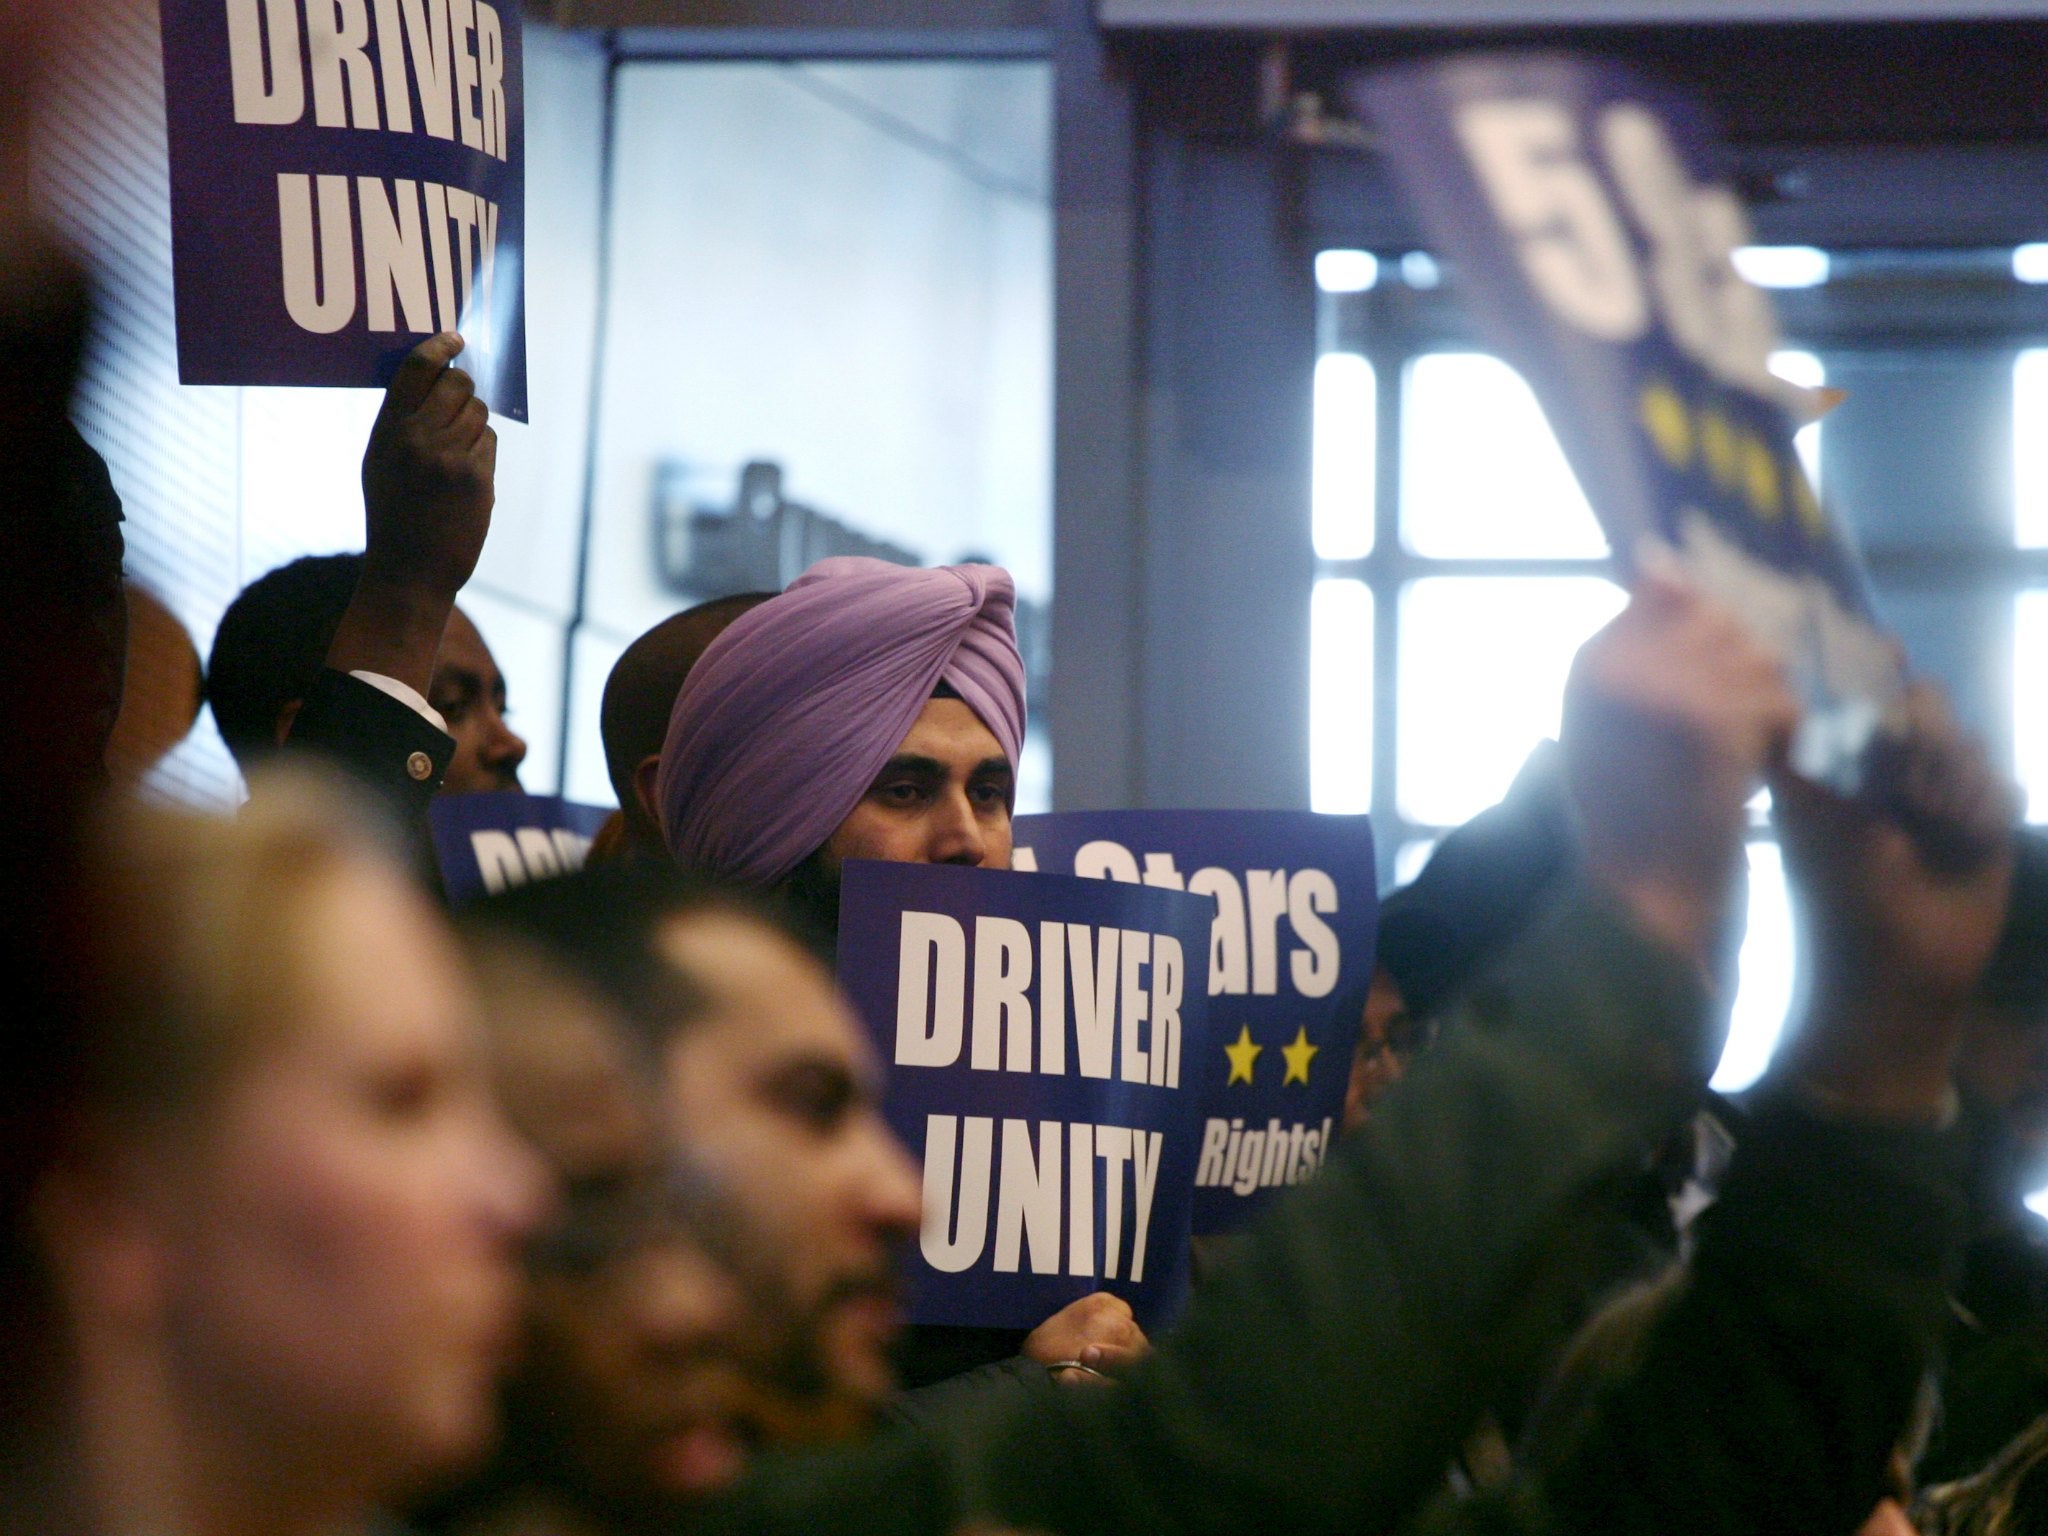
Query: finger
(424, 365)
(451, 393)
(1113, 1359)
(485, 454)
(470, 423)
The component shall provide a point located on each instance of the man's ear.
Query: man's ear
(286, 718)
(645, 777)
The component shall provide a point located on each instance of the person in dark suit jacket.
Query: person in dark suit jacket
(336, 655)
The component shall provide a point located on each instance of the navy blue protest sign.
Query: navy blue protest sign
(490, 842)
(1592, 241)
(1040, 1037)
(1295, 908)
(347, 178)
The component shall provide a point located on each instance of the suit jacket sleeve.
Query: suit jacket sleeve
(382, 743)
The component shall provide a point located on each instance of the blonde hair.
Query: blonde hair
(191, 954)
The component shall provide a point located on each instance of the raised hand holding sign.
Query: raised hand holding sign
(1595, 248)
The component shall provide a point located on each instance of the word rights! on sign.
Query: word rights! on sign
(1039, 1034)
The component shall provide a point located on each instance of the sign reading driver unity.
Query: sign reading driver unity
(1041, 1038)
(1592, 240)
(1295, 910)
(347, 178)
(488, 843)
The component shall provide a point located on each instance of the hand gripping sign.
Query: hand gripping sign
(1593, 247)
(1038, 1035)
(1290, 955)
(489, 843)
(347, 178)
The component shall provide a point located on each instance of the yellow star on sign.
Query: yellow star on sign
(1242, 1055)
(1298, 1055)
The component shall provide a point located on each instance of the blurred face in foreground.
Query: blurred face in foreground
(340, 1264)
(314, 1260)
(629, 1391)
(774, 1097)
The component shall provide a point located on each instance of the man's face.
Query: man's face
(469, 691)
(774, 1096)
(944, 798)
(629, 1386)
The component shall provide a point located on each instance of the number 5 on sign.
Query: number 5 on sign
(1575, 247)
(1572, 244)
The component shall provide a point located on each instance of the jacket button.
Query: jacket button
(420, 766)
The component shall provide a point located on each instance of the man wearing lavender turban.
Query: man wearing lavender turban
(870, 711)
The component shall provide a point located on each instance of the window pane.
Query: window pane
(1340, 697)
(2030, 699)
(302, 482)
(1481, 675)
(1765, 991)
(1409, 862)
(2030, 448)
(1346, 422)
(1481, 474)
(1806, 370)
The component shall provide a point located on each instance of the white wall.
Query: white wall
(844, 268)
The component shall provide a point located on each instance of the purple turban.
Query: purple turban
(789, 715)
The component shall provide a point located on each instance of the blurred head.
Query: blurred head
(777, 1091)
(469, 691)
(1482, 885)
(160, 694)
(640, 695)
(628, 1390)
(766, 1105)
(284, 1223)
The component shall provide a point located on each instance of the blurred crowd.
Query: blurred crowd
(574, 1212)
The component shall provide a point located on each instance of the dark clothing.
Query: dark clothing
(1324, 1382)
(1995, 1379)
(1770, 1394)
(373, 737)
(387, 748)
(932, 1405)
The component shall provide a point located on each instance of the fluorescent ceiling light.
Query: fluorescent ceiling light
(1346, 271)
(1782, 266)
